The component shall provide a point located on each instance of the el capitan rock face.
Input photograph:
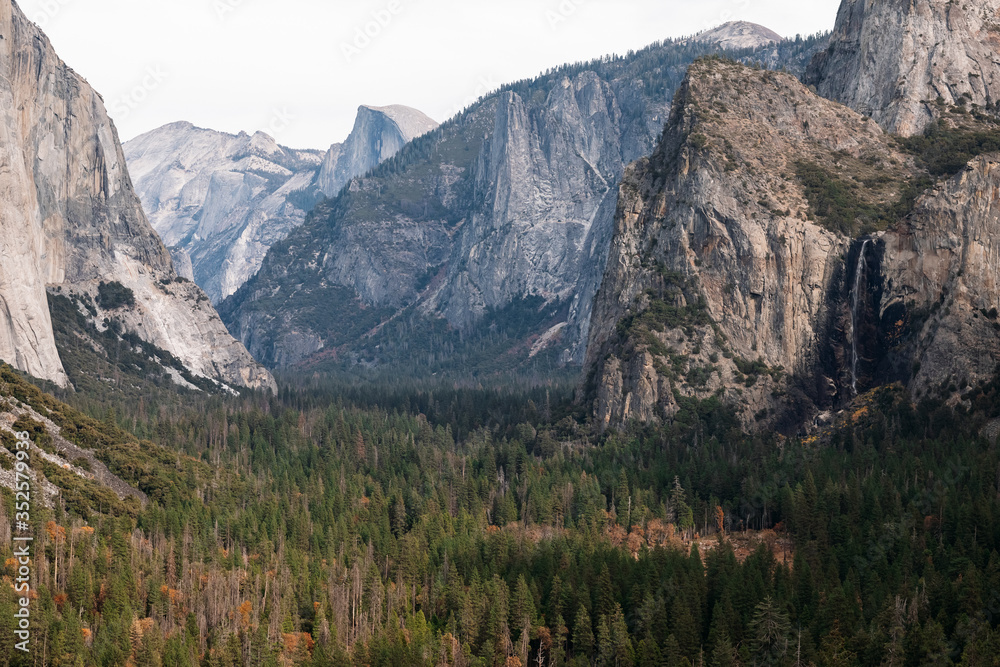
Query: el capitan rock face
(69, 219)
(900, 60)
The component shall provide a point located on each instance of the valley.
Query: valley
(685, 356)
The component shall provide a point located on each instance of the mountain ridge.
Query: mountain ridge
(474, 219)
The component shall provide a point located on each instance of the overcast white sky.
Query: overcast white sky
(298, 69)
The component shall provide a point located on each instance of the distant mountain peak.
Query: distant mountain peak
(412, 122)
(378, 134)
(220, 200)
(740, 35)
(223, 198)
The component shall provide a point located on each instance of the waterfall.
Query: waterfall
(855, 305)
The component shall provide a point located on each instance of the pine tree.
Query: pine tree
(769, 631)
(621, 643)
(723, 655)
(583, 634)
(558, 654)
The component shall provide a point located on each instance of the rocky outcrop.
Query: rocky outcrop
(737, 35)
(378, 134)
(508, 207)
(719, 280)
(943, 285)
(69, 219)
(222, 199)
(61, 452)
(182, 263)
(901, 61)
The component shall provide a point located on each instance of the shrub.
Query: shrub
(839, 206)
(114, 295)
(945, 151)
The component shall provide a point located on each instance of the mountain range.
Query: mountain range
(220, 201)
(479, 246)
(684, 223)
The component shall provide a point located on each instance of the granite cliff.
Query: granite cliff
(901, 61)
(70, 221)
(784, 253)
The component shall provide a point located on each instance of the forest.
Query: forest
(439, 526)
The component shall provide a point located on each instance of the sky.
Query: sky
(299, 69)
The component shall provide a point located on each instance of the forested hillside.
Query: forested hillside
(464, 528)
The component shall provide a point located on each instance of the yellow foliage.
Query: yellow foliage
(245, 609)
(56, 532)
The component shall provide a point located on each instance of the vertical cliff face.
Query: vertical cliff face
(70, 219)
(943, 282)
(899, 60)
(540, 182)
(26, 338)
(378, 134)
(720, 278)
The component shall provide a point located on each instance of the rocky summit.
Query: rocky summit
(70, 222)
(379, 133)
(737, 35)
